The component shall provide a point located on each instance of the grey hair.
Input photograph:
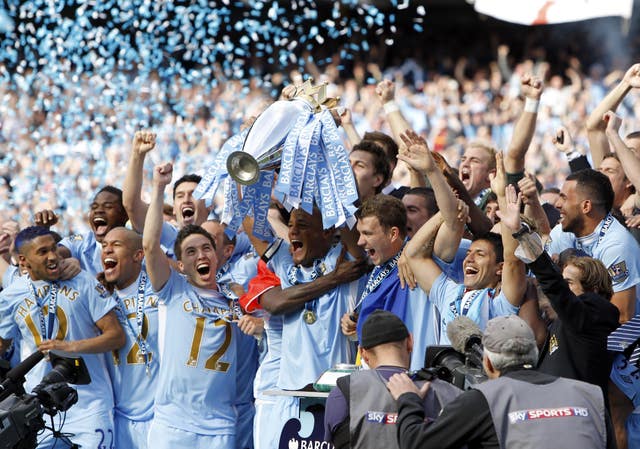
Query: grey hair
(502, 361)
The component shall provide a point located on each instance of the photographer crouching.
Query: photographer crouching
(516, 407)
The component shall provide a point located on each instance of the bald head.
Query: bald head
(122, 256)
(132, 239)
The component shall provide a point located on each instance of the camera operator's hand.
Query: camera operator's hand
(400, 384)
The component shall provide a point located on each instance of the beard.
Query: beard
(575, 225)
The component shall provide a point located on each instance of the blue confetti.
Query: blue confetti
(89, 73)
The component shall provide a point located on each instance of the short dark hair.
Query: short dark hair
(185, 232)
(496, 241)
(380, 160)
(387, 209)
(111, 189)
(595, 186)
(30, 233)
(386, 142)
(186, 178)
(429, 197)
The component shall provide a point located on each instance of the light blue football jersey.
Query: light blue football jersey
(86, 249)
(451, 300)
(311, 349)
(11, 274)
(267, 375)
(240, 271)
(423, 321)
(196, 387)
(81, 302)
(271, 411)
(133, 387)
(168, 238)
(611, 244)
(12, 354)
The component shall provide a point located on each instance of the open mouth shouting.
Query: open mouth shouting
(472, 278)
(188, 213)
(53, 269)
(110, 265)
(100, 226)
(465, 176)
(470, 271)
(371, 253)
(203, 269)
(297, 250)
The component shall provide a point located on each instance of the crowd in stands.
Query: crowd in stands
(92, 121)
(434, 155)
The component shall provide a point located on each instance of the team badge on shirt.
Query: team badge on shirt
(77, 237)
(553, 344)
(618, 272)
(102, 291)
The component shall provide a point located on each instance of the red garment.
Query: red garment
(264, 280)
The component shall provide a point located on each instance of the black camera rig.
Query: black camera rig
(22, 414)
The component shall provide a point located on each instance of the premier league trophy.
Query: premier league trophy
(299, 138)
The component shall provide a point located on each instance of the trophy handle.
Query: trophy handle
(245, 169)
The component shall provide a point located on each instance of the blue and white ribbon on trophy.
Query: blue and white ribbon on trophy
(217, 173)
(304, 143)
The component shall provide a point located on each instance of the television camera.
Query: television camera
(461, 363)
(22, 414)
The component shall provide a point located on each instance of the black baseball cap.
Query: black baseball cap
(382, 327)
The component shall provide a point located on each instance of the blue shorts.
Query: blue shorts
(131, 434)
(271, 415)
(165, 437)
(90, 432)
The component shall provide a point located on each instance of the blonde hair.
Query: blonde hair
(491, 151)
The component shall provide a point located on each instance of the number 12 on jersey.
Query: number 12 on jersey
(213, 362)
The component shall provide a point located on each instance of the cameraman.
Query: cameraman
(517, 404)
(386, 347)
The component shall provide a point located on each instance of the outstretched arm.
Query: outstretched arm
(525, 126)
(513, 271)
(143, 142)
(385, 90)
(478, 223)
(418, 251)
(533, 209)
(346, 122)
(596, 126)
(158, 266)
(563, 143)
(418, 156)
(628, 159)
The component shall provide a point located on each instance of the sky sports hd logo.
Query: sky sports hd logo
(545, 413)
(382, 417)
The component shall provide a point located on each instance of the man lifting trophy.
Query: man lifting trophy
(299, 138)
